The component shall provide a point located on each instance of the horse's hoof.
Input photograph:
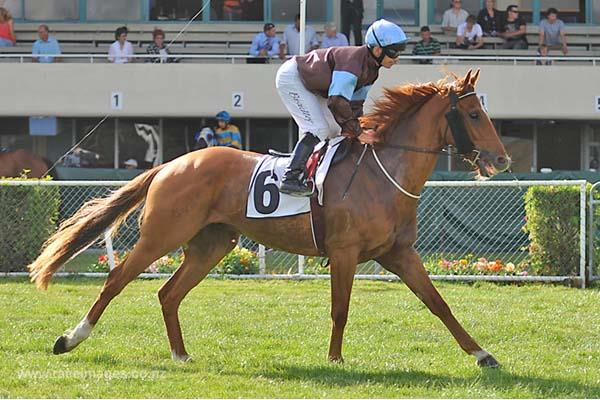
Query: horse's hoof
(336, 359)
(488, 362)
(182, 358)
(60, 346)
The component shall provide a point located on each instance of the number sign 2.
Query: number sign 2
(237, 100)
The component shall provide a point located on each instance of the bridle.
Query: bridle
(464, 144)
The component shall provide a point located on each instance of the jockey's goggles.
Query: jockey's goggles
(394, 50)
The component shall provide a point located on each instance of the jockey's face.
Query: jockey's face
(387, 62)
(222, 124)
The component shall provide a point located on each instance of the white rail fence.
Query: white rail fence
(468, 230)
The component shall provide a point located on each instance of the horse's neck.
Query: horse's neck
(412, 168)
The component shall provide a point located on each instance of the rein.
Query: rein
(464, 144)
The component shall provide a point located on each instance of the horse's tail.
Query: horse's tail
(87, 224)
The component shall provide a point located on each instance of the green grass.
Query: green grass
(269, 339)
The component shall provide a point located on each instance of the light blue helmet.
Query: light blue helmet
(387, 35)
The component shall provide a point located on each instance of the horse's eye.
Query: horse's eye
(474, 115)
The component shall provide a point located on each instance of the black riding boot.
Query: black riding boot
(291, 183)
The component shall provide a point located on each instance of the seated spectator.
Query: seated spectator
(158, 47)
(131, 163)
(227, 134)
(427, 46)
(552, 34)
(265, 43)
(7, 32)
(232, 10)
(513, 30)
(490, 19)
(453, 17)
(332, 38)
(45, 45)
(469, 35)
(121, 51)
(291, 39)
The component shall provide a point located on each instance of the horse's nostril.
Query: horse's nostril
(501, 160)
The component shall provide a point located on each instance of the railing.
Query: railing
(467, 231)
(442, 59)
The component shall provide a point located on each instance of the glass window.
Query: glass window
(596, 11)
(286, 10)
(14, 7)
(402, 12)
(113, 10)
(170, 10)
(237, 10)
(178, 134)
(49, 10)
(558, 145)
(517, 138)
(268, 134)
(370, 13)
(439, 6)
(139, 139)
(101, 142)
(569, 11)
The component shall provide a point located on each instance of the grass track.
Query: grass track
(269, 339)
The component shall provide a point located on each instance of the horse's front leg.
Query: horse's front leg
(406, 263)
(343, 266)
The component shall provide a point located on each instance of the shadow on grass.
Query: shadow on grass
(498, 379)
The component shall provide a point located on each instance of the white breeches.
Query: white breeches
(308, 110)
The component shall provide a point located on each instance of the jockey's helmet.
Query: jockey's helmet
(224, 116)
(387, 35)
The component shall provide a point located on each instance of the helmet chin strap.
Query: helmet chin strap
(382, 55)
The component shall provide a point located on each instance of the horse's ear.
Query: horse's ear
(467, 78)
(475, 78)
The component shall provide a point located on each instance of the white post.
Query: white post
(262, 265)
(302, 26)
(582, 233)
(109, 249)
(300, 265)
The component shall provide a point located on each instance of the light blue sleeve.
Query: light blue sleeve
(255, 43)
(275, 49)
(57, 47)
(342, 84)
(361, 94)
(35, 49)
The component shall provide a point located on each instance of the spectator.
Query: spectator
(227, 134)
(469, 35)
(265, 43)
(121, 51)
(291, 39)
(427, 46)
(158, 47)
(232, 10)
(552, 34)
(7, 32)
(332, 38)
(490, 19)
(594, 165)
(131, 163)
(453, 17)
(45, 45)
(513, 30)
(352, 16)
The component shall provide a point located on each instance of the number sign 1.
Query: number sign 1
(116, 101)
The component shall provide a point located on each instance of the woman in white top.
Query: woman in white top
(121, 51)
(469, 34)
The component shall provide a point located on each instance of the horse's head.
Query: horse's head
(473, 133)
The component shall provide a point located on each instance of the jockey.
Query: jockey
(226, 133)
(324, 91)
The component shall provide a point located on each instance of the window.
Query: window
(402, 12)
(286, 10)
(237, 10)
(14, 7)
(139, 139)
(52, 10)
(113, 10)
(439, 6)
(268, 134)
(558, 145)
(171, 10)
(102, 142)
(569, 11)
(596, 12)
(178, 134)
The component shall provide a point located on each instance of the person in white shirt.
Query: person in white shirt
(121, 51)
(469, 34)
(453, 17)
(291, 39)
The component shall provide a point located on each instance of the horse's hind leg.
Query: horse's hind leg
(406, 263)
(202, 253)
(142, 255)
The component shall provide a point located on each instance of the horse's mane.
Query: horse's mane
(401, 101)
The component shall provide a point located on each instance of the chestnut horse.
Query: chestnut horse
(15, 163)
(199, 200)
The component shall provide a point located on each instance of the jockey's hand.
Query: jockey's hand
(369, 136)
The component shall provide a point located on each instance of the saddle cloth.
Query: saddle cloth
(264, 198)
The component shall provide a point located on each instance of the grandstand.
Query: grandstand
(549, 116)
